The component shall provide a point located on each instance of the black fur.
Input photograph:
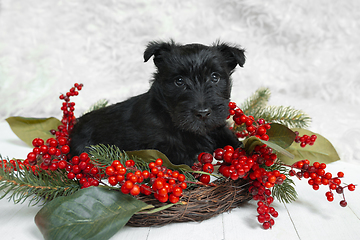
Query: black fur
(183, 113)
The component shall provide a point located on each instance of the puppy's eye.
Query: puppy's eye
(215, 77)
(179, 82)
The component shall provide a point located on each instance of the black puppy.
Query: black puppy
(183, 113)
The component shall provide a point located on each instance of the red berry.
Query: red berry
(53, 166)
(340, 174)
(82, 165)
(65, 149)
(31, 156)
(228, 148)
(76, 169)
(228, 156)
(44, 149)
(110, 170)
(177, 191)
(204, 178)
(112, 180)
(124, 189)
(71, 175)
(145, 189)
(145, 174)
(135, 190)
(206, 158)
(232, 105)
(181, 177)
(183, 185)
(343, 203)
(351, 187)
(162, 199)
(219, 154)
(158, 162)
(158, 184)
(208, 167)
(83, 157)
(266, 225)
(173, 198)
(116, 163)
(315, 186)
(62, 164)
(130, 163)
(94, 171)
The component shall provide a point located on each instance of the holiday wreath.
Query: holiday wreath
(100, 192)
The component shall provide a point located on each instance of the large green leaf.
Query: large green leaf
(91, 213)
(280, 138)
(322, 150)
(29, 128)
(253, 141)
(151, 155)
(281, 135)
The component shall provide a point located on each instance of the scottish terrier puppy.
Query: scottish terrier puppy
(183, 113)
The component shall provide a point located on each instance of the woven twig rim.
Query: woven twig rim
(201, 203)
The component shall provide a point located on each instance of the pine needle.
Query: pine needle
(256, 106)
(284, 115)
(256, 102)
(99, 104)
(24, 184)
(285, 192)
(106, 154)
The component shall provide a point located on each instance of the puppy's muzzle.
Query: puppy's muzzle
(203, 113)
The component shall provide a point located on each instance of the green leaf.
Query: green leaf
(151, 155)
(90, 213)
(253, 141)
(322, 150)
(29, 128)
(281, 135)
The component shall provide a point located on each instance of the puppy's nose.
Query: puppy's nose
(203, 113)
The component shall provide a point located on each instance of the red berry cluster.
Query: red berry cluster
(256, 128)
(318, 176)
(48, 154)
(83, 169)
(305, 140)
(13, 165)
(68, 119)
(165, 184)
(264, 198)
(237, 164)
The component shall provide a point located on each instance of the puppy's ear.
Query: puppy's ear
(233, 55)
(157, 50)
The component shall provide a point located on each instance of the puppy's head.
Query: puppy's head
(193, 82)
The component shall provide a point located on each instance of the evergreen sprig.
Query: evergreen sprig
(104, 155)
(284, 192)
(287, 116)
(99, 104)
(256, 106)
(256, 102)
(24, 184)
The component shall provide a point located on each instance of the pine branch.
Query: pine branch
(284, 115)
(99, 104)
(104, 155)
(24, 184)
(285, 192)
(256, 102)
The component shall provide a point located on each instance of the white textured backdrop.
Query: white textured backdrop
(307, 52)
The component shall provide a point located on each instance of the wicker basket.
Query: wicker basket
(202, 203)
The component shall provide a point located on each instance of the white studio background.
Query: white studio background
(306, 52)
